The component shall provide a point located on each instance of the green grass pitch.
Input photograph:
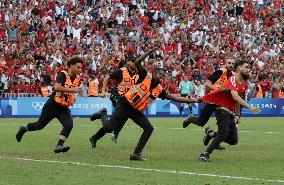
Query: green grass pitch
(171, 153)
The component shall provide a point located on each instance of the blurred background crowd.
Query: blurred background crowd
(37, 37)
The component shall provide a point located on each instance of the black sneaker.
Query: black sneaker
(22, 130)
(137, 157)
(97, 115)
(93, 142)
(114, 138)
(204, 157)
(219, 147)
(207, 138)
(187, 121)
(60, 148)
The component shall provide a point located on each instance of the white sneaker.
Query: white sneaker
(114, 138)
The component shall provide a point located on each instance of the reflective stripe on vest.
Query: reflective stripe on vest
(93, 89)
(140, 97)
(44, 91)
(66, 98)
(127, 81)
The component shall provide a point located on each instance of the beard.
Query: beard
(245, 76)
(229, 72)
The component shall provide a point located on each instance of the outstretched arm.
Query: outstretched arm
(181, 99)
(142, 57)
(208, 83)
(239, 100)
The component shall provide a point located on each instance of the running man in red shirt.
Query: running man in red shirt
(228, 98)
(214, 81)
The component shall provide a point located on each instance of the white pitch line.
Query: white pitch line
(177, 128)
(171, 128)
(244, 131)
(144, 169)
(272, 132)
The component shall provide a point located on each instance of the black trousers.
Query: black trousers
(120, 115)
(205, 115)
(227, 130)
(52, 110)
(114, 97)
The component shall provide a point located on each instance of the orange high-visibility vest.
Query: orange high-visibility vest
(221, 80)
(127, 81)
(259, 93)
(44, 91)
(66, 98)
(93, 89)
(140, 97)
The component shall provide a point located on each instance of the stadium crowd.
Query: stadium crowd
(37, 37)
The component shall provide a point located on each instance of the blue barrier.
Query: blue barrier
(84, 107)
(31, 107)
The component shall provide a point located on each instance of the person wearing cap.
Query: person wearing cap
(131, 105)
(125, 78)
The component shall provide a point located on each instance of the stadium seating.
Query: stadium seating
(36, 39)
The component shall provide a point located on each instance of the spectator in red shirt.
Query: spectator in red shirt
(13, 88)
(267, 83)
(173, 86)
(276, 88)
(21, 86)
(37, 85)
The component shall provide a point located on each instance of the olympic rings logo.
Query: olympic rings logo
(38, 105)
